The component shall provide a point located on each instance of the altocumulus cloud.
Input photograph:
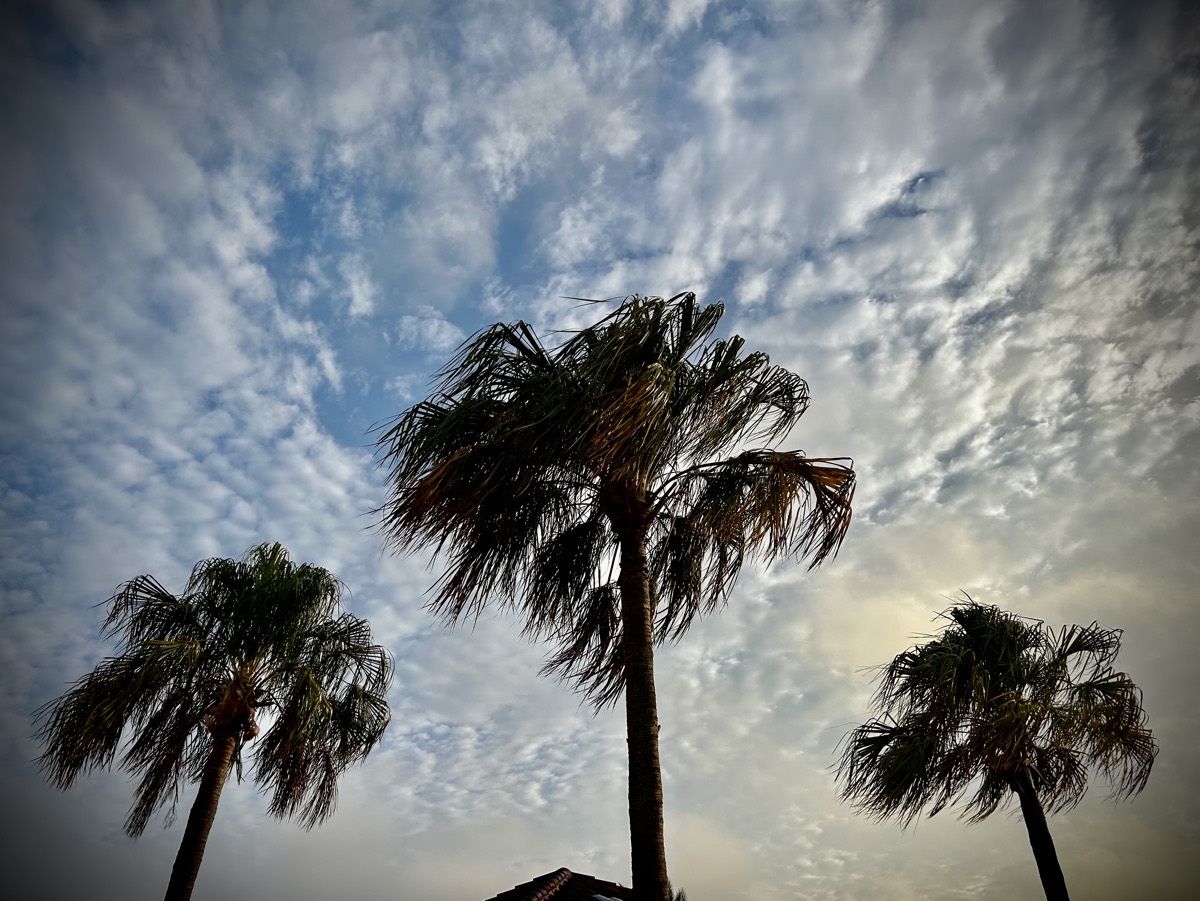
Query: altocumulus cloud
(236, 238)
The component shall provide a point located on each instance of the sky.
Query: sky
(237, 235)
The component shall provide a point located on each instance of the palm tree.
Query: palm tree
(998, 705)
(586, 486)
(193, 670)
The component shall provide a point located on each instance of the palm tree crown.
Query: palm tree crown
(194, 669)
(998, 706)
(530, 465)
(602, 487)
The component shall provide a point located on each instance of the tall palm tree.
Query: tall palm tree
(194, 669)
(589, 486)
(998, 706)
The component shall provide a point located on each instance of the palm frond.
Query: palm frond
(588, 647)
(331, 713)
(886, 771)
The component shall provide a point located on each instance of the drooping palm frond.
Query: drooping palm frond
(529, 465)
(758, 503)
(243, 634)
(330, 712)
(991, 700)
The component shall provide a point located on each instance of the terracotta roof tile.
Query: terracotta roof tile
(563, 885)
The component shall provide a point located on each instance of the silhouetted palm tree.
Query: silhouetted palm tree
(260, 633)
(586, 485)
(997, 706)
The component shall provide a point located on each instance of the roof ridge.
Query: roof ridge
(554, 882)
(563, 885)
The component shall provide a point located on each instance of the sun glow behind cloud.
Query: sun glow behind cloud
(234, 239)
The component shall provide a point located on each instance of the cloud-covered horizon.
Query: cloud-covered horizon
(237, 236)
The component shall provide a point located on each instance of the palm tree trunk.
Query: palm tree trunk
(641, 722)
(200, 820)
(1053, 882)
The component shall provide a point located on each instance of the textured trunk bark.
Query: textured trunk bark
(1053, 882)
(641, 723)
(200, 820)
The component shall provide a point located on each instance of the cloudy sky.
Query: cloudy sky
(236, 235)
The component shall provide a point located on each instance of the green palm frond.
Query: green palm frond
(992, 699)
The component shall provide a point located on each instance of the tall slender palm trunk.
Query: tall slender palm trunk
(648, 849)
(200, 820)
(1053, 882)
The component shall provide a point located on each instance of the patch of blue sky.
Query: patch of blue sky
(298, 218)
(350, 416)
(723, 284)
(735, 23)
(521, 225)
(980, 325)
(909, 203)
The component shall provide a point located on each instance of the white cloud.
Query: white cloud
(428, 331)
(683, 14)
(968, 227)
(360, 288)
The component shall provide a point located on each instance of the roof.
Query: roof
(563, 885)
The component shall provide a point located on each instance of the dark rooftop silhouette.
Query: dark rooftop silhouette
(563, 885)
